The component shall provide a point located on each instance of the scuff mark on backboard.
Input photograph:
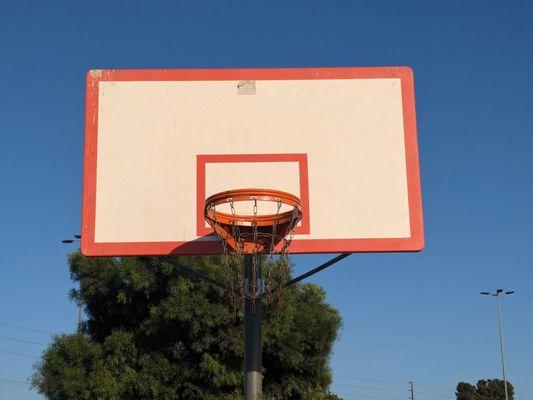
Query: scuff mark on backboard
(246, 87)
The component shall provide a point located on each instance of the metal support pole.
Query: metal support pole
(317, 269)
(501, 345)
(411, 391)
(253, 360)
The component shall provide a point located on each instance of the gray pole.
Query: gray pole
(80, 318)
(501, 344)
(497, 294)
(411, 391)
(253, 361)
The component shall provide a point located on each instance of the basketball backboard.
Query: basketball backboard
(159, 142)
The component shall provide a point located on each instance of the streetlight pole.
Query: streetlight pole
(497, 294)
(75, 239)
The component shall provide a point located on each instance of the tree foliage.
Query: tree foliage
(154, 333)
(491, 389)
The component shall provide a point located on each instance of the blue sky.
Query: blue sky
(406, 316)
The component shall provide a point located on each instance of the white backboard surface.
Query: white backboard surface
(158, 142)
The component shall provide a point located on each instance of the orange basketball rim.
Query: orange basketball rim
(253, 232)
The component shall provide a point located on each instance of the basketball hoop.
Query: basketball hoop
(254, 222)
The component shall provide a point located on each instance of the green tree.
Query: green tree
(154, 333)
(465, 391)
(491, 389)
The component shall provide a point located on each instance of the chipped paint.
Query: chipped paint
(96, 73)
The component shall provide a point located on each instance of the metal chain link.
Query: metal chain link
(284, 258)
(254, 278)
(271, 263)
(227, 262)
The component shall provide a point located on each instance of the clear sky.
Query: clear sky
(406, 316)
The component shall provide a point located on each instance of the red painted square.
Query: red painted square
(202, 160)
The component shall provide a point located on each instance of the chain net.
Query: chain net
(265, 238)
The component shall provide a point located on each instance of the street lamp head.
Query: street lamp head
(485, 293)
(67, 241)
(77, 236)
(510, 292)
(499, 290)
